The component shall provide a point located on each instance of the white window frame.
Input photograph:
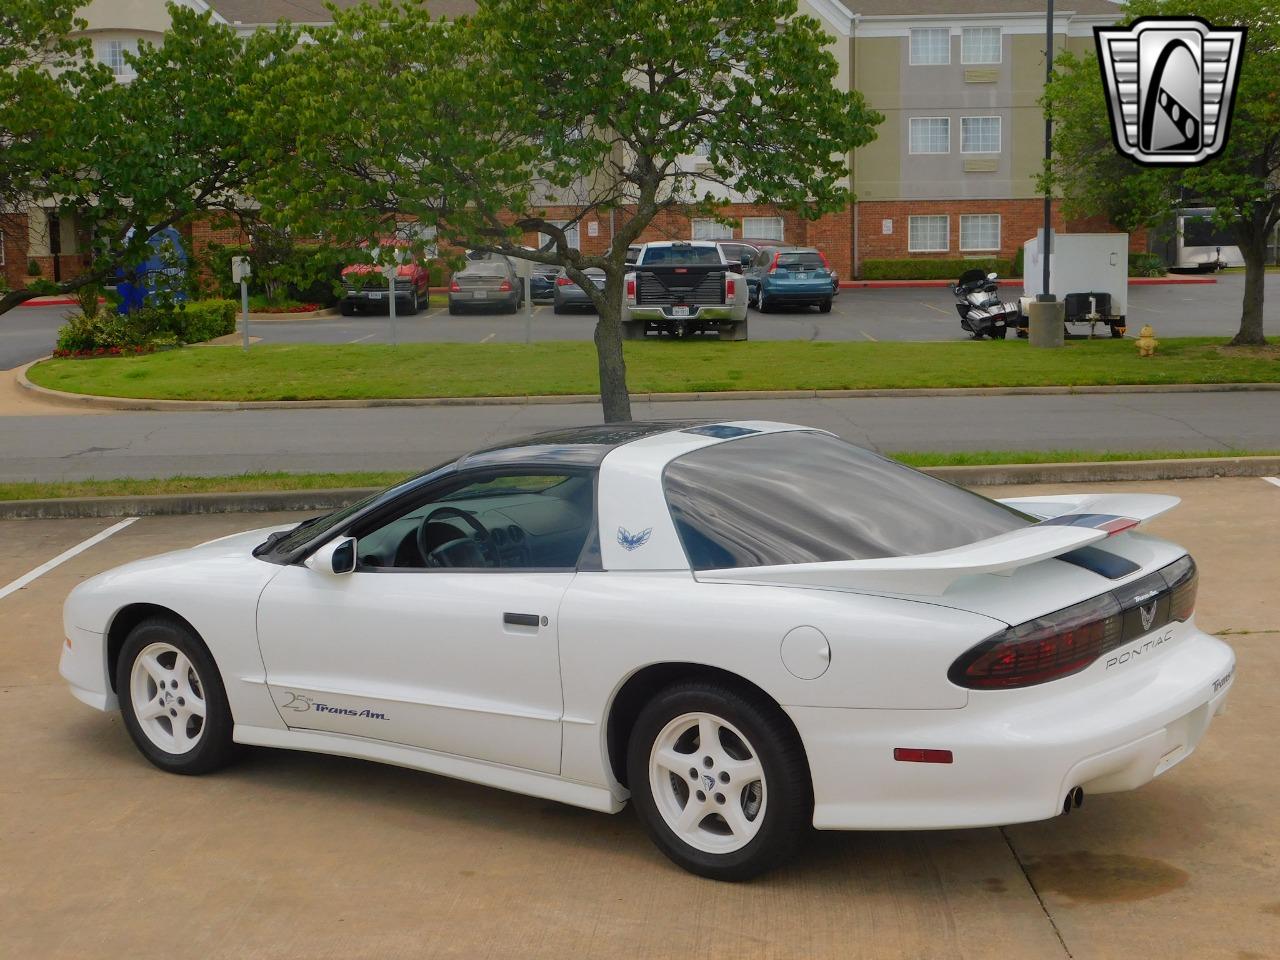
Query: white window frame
(109, 48)
(999, 32)
(999, 134)
(911, 47)
(573, 234)
(756, 233)
(965, 247)
(716, 230)
(910, 138)
(946, 236)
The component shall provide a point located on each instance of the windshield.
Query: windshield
(805, 497)
(681, 255)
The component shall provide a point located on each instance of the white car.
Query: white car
(745, 628)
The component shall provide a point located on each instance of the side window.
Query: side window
(499, 520)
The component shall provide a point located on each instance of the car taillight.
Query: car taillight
(1047, 648)
(563, 281)
(1183, 580)
(631, 288)
(505, 286)
(728, 287)
(453, 287)
(825, 265)
(774, 265)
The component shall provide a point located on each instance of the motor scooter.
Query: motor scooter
(982, 312)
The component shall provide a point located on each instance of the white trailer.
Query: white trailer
(1089, 271)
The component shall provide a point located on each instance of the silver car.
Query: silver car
(486, 285)
(569, 296)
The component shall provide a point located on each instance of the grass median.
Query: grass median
(370, 371)
(272, 482)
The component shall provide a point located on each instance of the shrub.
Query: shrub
(33, 269)
(1018, 266)
(308, 274)
(87, 298)
(200, 320)
(1146, 265)
(932, 269)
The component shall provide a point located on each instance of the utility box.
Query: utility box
(1089, 272)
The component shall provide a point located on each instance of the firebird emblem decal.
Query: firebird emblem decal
(633, 541)
(1148, 615)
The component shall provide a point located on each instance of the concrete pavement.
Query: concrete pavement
(414, 438)
(294, 855)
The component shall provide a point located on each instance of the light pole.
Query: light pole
(391, 272)
(1045, 323)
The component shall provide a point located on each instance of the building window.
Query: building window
(930, 135)
(980, 45)
(112, 54)
(711, 230)
(762, 228)
(980, 231)
(570, 234)
(702, 149)
(930, 46)
(928, 234)
(979, 134)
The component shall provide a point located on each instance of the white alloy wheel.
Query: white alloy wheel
(167, 696)
(707, 783)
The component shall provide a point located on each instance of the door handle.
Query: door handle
(521, 619)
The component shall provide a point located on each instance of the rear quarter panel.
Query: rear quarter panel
(885, 653)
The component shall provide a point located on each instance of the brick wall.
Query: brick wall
(14, 228)
(1019, 221)
(206, 230)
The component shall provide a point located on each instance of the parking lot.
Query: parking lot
(295, 855)
(913, 313)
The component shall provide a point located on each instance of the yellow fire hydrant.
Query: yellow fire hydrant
(1147, 341)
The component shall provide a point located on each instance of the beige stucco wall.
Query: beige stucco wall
(877, 67)
(130, 16)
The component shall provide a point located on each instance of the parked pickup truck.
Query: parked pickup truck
(681, 288)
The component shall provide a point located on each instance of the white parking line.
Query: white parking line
(61, 558)
(362, 339)
(488, 338)
(868, 336)
(1274, 480)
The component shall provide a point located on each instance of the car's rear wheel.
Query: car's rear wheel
(719, 780)
(347, 308)
(172, 699)
(824, 306)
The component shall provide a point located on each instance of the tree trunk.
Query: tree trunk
(1255, 277)
(613, 367)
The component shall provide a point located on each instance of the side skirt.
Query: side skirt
(475, 771)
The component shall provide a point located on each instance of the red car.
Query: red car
(366, 288)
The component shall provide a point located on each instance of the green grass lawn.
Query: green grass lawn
(367, 371)
(270, 482)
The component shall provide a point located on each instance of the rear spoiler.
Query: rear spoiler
(931, 574)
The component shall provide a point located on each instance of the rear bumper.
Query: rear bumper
(1016, 753)
(807, 294)
(721, 312)
(488, 298)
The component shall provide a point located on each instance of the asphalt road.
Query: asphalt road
(294, 855)
(860, 314)
(79, 446)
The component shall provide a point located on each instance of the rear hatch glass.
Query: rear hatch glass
(800, 261)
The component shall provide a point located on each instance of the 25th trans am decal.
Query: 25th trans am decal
(301, 704)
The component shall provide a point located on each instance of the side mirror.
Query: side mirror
(746, 259)
(337, 557)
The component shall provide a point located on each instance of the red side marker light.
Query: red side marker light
(1118, 525)
(918, 755)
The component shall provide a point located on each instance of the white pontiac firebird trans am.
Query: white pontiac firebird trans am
(746, 628)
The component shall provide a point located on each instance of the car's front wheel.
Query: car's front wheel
(172, 699)
(719, 780)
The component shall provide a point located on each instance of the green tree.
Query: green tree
(480, 125)
(135, 158)
(1242, 183)
(34, 102)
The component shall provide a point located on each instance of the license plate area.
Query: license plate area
(679, 311)
(374, 294)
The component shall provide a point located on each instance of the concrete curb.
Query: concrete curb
(89, 401)
(1009, 281)
(327, 313)
(287, 500)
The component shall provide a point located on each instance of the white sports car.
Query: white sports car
(746, 628)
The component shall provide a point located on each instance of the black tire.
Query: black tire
(763, 305)
(824, 306)
(557, 309)
(788, 807)
(998, 333)
(347, 308)
(413, 304)
(214, 747)
(453, 311)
